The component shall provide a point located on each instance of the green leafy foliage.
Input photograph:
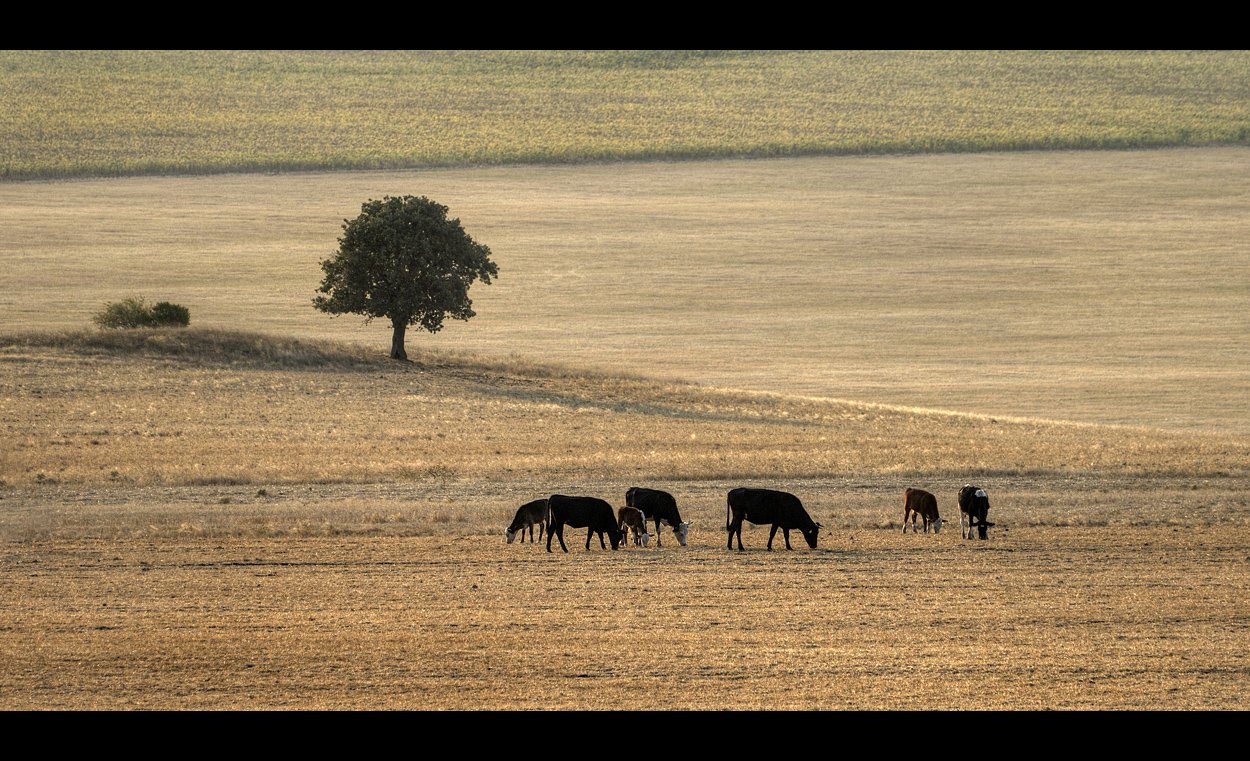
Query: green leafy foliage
(403, 259)
(134, 313)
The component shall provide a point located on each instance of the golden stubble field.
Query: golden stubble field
(1049, 618)
(322, 530)
(1104, 287)
(216, 520)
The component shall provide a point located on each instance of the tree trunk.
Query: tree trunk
(397, 340)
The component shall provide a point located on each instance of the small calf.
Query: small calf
(526, 516)
(634, 519)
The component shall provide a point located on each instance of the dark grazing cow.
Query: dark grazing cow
(636, 521)
(779, 508)
(661, 508)
(590, 513)
(922, 503)
(526, 516)
(974, 503)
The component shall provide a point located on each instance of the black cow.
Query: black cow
(526, 516)
(590, 513)
(779, 508)
(922, 503)
(974, 503)
(660, 507)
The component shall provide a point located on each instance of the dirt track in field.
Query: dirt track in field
(1050, 617)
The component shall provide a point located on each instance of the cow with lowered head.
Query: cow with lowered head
(660, 507)
(634, 521)
(526, 516)
(590, 513)
(974, 503)
(782, 509)
(922, 503)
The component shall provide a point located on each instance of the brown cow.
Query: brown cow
(636, 521)
(922, 503)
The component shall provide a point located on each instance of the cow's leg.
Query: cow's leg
(786, 533)
(771, 534)
(657, 533)
(557, 529)
(601, 544)
(541, 527)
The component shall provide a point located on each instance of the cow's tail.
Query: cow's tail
(727, 522)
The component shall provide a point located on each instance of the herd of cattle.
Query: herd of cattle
(779, 509)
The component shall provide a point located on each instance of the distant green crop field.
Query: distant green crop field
(107, 113)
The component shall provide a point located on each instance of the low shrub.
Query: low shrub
(166, 313)
(134, 313)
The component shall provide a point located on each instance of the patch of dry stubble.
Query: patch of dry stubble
(1037, 618)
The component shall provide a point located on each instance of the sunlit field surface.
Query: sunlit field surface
(1039, 618)
(262, 511)
(200, 519)
(1099, 287)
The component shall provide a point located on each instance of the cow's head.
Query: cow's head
(682, 530)
(510, 534)
(615, 535)
(646, 539)
(937, 525)
(812, 534)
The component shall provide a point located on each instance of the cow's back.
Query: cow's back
(580, 512)
(973, 500)
(921, 501)
(653, 502)
(766, 505)
(535, 511)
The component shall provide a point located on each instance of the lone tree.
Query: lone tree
(403, 259)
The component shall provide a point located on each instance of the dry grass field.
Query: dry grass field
(102, 112)
(1054, 618)
(208, 520)
(1101, 287)
(215, 518)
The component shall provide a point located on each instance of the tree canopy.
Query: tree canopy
(404, 260)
